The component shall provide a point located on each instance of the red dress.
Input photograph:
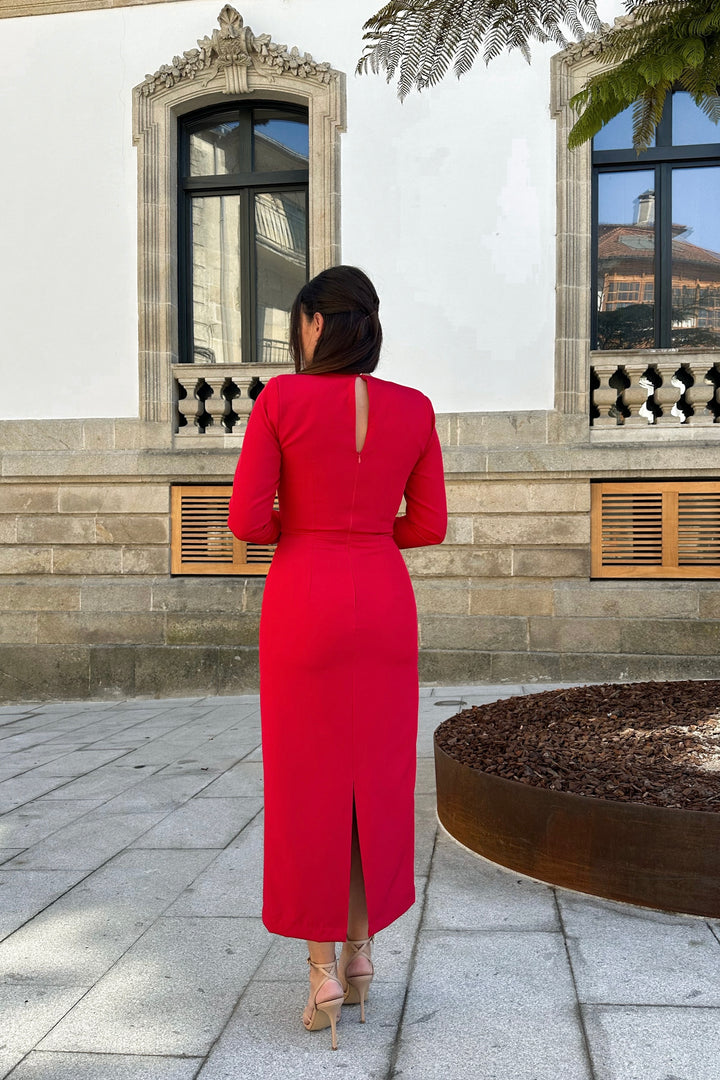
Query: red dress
(338, 641)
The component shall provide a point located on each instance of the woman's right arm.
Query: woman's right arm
(425, 519)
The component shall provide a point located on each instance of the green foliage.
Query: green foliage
(420, 39)
(664, 43)
(667, 43)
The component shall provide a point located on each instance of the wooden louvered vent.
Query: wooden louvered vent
(656, 530)
(201, 540)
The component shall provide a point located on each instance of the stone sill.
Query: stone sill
(652, 434)
(653, 356)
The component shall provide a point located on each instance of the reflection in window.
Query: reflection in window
(617, 133)
(281, 260)
(657, 235)
(696, 257)
(279, 144)
(690, 125)
(243, 231)
(626, 260)
(217, 150)
(217, 318)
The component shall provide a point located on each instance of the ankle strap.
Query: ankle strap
(327, 968)
(362, 946)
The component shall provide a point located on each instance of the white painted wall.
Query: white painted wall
(448, 202)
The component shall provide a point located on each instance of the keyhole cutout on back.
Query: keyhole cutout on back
(362, 410)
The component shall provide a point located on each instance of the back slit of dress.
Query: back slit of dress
(361, 425)
(361, 419)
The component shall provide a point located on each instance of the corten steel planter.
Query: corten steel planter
(648, 855)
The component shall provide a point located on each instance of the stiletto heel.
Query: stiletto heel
(325, 1013)
(357, 986)
(361, 984)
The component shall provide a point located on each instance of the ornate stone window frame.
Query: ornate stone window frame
(232, 62)
(16, 8)
(574, 360)
(570, 71)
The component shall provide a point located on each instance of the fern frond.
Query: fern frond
(711, 107)
(670, 42)
(418, 40)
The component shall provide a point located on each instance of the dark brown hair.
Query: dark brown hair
(351, 336)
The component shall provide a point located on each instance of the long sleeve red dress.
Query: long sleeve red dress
(338, 638)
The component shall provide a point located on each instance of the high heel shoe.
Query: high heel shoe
(325, 1013)
(357, 986)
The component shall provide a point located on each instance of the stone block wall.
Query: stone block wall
(88, 607)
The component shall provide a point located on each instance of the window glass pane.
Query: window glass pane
(696, 258)
(219, 150)
(281, 261)
(216, 235)
(690, 125)
(280, 141)
(617, 134)
(625, 283)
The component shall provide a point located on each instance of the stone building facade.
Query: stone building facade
(89, 606)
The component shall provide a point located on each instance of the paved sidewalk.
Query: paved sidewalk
(131, 945)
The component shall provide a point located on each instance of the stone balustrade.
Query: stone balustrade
(215, 400)
(667, 392)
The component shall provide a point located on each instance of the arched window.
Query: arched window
(638, 258)
(656, 233)
(243, 231)
(238, 146)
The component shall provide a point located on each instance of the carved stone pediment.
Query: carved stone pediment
(594, 42)
(234, 49)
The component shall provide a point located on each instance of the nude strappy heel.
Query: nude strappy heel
(325, 1013)
(357, 986)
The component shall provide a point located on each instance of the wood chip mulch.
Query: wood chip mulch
(656, 743)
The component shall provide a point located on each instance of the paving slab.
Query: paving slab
(23, 893)
(14, 725)
(35, 821)
(78, 762)
(266, 1039)
(202, 823)
(28, 1013)
(625, 960)
(9, 853)
(164, 790)
(232, 884)
(467, 892)
(491, 690)
(104, 782)
(23, 789)
(426, 827)
(172, 992)
(245, 778)
(254, 755)
(41, 1065)
(499, 1005)
(89, 842)
(634, 1043)
(425, 782)
(26, 740)
(584, 914)
(79, 937)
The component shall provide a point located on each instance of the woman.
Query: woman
(338, 631)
